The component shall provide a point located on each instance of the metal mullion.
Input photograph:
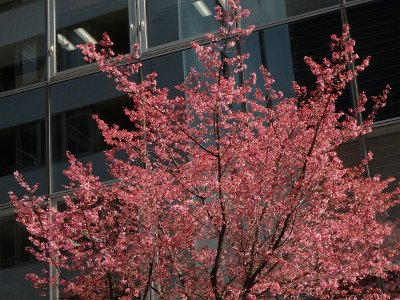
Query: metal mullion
(355, 98)
(133, 9)
(54, 293)
(51, 39)
(142, 25)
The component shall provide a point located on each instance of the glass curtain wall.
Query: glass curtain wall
(279, 45)
(22, 43)
(85, 21)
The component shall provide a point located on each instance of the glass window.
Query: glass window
(13, 241)
(16, 262)
(268, 11)
(281, 50)
(112, 112)
(25, 147)
(376, 28)
(172, 20)
(22, 134)
(311, 38)
(350, 153)
(384, 142)
(73, 128)
(22, 43)
(85, 21)
(180, 62)
(73, 131)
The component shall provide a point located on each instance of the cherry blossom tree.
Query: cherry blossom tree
(219, 194)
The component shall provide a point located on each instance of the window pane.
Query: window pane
(268, 11)
(281, 50)
(22, 43)
(73, 128)
(376, 28)
(311, 38)
(15, 262)
(384, 142)
(85, 21)
(22, 134)
(172, 20)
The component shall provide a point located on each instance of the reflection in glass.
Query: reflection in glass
(376, 28)
(268, 11)
(384, 142)
(311, 38)
(80, 22)
(16, 262)
(13, 241)
(172, 20)
(22, 43)
(73, 131)
(25, 147)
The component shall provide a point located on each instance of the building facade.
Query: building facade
(48, 93)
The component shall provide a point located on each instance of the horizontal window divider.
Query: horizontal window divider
(22, 89)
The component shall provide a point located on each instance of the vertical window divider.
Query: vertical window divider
(133, 9)
(142, 25)
(354, 96)
(51, 39)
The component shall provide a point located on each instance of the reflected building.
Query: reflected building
(48, 93)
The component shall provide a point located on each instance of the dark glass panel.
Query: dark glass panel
(85, 21)
(311, 38)
(30, 145)
(376, 27)
(79, 131)
(73, 131)
(13, 241)
(171, 69)
(112, 112)
(350, 153)
(16, 262)
(22, 135)
(73, 128)
(22, 43)
(7, 154)
(384, 142)
(25, 147)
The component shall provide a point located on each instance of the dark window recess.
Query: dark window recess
(376, 29)
(112, 112)
(77, 132)
(22, 63)
(311, 38)
(24, 147)
(73, 131)
(13, 241)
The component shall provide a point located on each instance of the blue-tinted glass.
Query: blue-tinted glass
(84, 21)
(22, 43)
(265, 11)
(164, 64)
(172, 20)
